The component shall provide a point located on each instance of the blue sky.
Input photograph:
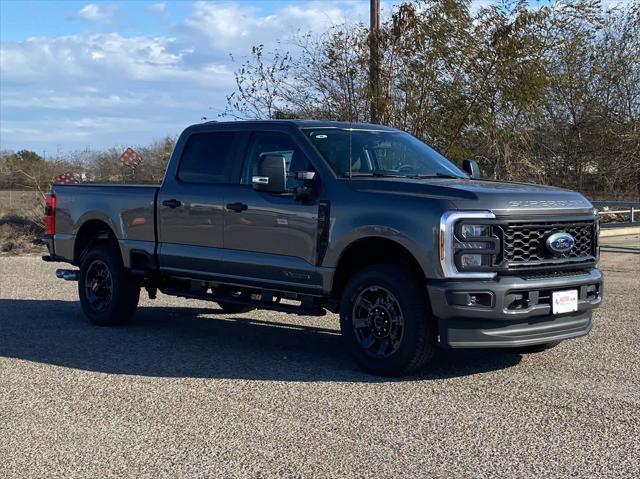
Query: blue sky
(78, 74)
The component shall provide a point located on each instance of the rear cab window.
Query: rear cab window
(211, 157)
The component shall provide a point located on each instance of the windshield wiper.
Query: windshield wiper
(437, 175)
(374, 174)
(377, 174)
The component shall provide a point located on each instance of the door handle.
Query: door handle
(237, 207)
(172, 203)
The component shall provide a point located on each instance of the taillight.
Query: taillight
(50, 214)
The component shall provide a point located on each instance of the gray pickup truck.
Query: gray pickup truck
(358, 219)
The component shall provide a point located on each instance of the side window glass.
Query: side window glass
(208, 158)
(274, 143)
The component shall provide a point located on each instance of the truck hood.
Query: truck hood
(500, 197)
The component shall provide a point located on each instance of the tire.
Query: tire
(229, 308)
(108, 296)
(386, 322)
(537, 348)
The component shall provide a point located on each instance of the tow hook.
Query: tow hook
(67, 274)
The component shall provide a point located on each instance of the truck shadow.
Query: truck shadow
(181, 342)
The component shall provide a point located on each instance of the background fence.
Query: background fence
(617, 214)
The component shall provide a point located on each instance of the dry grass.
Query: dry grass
(20, 222)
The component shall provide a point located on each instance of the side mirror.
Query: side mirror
(471, 168)
(272, 175)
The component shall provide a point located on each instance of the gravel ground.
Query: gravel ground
(185, 391)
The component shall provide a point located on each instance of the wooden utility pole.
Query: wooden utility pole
(374, 59)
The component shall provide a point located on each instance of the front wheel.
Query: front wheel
(385, 320)
(108, 296)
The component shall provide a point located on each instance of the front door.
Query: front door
(271, 238)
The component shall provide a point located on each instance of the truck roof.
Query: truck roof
(300, 123)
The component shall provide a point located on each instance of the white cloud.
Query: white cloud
(159, 7)
(103, 56)
(78, 99)
(95, 13)
(236, 27)
(85, 131)
(101, 89)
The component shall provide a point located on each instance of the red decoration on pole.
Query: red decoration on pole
(130, 158)
(66, 179)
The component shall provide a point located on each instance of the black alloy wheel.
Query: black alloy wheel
(108, 294)
(377, 321)
(386, 321)
(98, 286)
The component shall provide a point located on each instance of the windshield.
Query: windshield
(380, 153)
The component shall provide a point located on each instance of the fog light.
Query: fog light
(473, 300)
(474, 260)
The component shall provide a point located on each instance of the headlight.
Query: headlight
(467, 244)
(475, 231)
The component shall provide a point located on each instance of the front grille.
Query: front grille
(524, 243)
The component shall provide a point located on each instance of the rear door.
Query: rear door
(190, 202)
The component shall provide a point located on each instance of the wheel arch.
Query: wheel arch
(92, 231)
(368, 251)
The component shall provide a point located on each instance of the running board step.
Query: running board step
(304, 309)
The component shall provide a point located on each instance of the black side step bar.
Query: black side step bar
(305, 308)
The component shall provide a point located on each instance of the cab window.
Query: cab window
(274, 143)
(210, 158)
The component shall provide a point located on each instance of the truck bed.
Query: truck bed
(129, 210)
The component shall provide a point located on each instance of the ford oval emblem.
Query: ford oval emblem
(560, 242)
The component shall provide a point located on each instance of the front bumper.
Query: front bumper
(512, 311)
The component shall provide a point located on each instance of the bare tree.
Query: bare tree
(547, 94)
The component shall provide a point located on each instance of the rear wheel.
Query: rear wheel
(108, 296)
(385, 320)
